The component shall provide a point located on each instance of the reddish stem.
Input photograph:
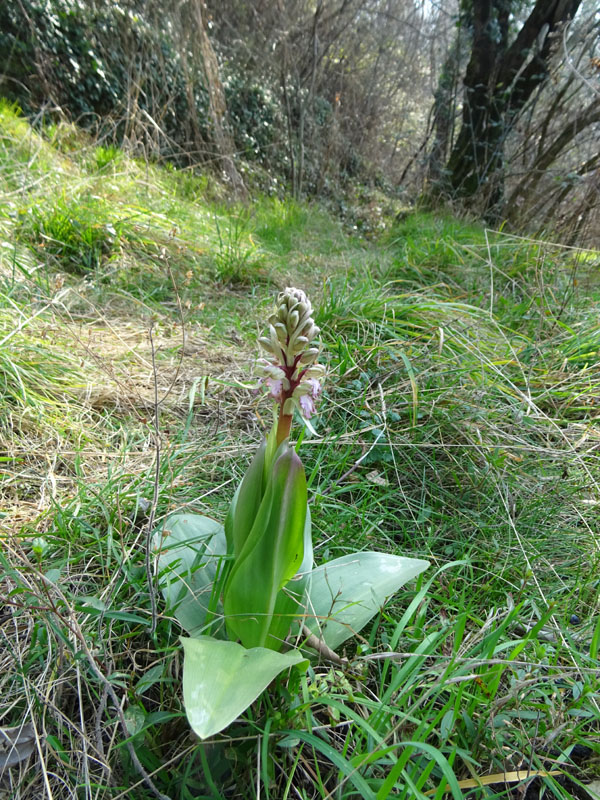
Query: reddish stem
(283, 426)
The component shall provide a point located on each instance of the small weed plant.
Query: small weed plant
(236, 256)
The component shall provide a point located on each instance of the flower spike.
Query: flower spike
(290, 370)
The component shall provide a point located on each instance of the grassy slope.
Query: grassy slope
(458, 424)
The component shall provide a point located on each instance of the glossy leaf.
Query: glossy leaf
(221, 679)
(192, 549)
(289, 602)
(271, 556)
(249, 494)
(246, 502)
(346, 593)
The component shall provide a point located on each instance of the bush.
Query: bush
(254, 118)
(103, 66)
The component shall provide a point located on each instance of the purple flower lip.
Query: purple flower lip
(275, 388)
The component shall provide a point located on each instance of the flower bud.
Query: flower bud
(281, 331)
(293, 377)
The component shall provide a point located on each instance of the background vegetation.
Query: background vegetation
(168, 171)
(488, 105)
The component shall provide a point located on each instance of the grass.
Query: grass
(459, 424)
(78, 235)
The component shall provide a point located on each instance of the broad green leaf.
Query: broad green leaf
(191, 549)
(347, 592)
(288, 605)
(270, 557)
(249, 494)
(221, 679)
(246, 502)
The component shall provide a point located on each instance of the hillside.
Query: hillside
(459, 424)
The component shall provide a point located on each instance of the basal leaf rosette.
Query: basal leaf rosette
(268, 524)
(256, 572)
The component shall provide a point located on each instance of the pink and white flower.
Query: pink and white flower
(291, 373)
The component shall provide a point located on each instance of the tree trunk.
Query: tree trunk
(217, 107)
(476, 161)
(443, 117)
(499, 79)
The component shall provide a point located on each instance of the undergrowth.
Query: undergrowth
(459, 424)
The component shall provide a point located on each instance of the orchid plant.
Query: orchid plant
(247, 592)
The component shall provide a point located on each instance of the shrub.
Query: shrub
(101, 65)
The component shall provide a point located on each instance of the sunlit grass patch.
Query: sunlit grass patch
(35, 369)
(78, 236)
(279, 224)
(45, 417)
(26, 158)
